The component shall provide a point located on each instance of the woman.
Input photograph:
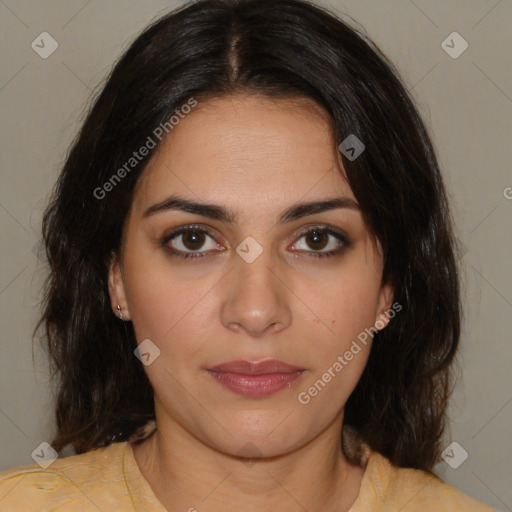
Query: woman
(253, 298)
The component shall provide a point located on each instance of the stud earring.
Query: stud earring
(119, 308)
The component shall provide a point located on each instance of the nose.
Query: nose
(257, 298)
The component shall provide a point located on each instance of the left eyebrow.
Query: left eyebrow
(217, 212)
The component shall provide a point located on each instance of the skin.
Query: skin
(257, 157)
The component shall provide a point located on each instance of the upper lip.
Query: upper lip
(255, 368)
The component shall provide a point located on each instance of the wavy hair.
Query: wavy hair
(279, 49)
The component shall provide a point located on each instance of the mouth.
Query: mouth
(255, 379)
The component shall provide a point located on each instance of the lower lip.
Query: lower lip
(255, 385)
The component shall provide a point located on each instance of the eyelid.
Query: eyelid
(175, 233)
(324, 227)
(189, 227)
(340, 235)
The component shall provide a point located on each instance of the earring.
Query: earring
(119, 308)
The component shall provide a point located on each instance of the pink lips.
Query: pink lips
(255, 379)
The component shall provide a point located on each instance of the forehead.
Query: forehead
(247, 150)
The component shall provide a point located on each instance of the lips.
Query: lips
(255, 379)
(259, 368)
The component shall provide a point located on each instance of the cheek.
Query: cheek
(173, 312)
(343, 309)
(339, 359)
(344, 314)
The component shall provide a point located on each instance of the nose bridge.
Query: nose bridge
(256, 297)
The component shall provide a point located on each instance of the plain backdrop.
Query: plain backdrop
(466, 102)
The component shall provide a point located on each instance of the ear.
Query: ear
(116, 288)
(384, 306)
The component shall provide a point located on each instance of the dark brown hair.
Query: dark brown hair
(275, 48)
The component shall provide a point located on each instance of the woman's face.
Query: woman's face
(262, 274)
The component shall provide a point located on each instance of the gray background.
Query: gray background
(466, 102)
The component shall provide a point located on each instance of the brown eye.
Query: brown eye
(321, 242)
(317, 240)
(190, 242)
(193, 239)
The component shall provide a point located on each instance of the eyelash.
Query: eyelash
(194, 255)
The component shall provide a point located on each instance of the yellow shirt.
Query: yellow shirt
(108, 479)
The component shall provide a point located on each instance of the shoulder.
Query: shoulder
(387, 487)
(411, 490)
(87, 481)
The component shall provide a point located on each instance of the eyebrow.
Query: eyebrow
(225, 215)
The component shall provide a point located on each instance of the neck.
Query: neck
(186, 474)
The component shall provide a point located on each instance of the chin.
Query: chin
(260, 439)
(255, 448)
